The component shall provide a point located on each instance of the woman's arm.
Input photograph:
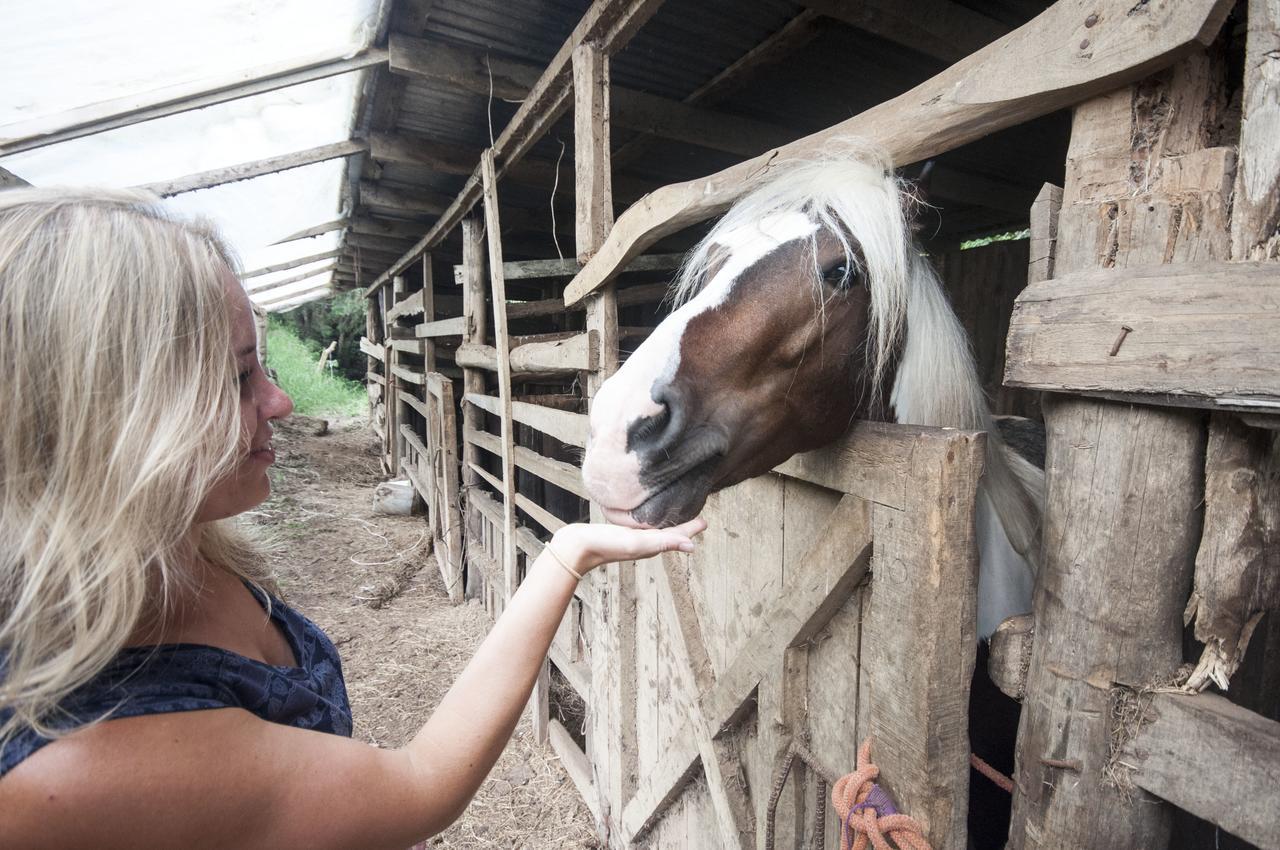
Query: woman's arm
(225, 778)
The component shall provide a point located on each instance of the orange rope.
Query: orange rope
(862, 824)
(1001, 781)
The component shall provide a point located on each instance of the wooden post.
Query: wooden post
(428, 312)
(1124, 481)
(396, 406)
(1255, 217)
(611, 737)
(498, 287)
(473, 311)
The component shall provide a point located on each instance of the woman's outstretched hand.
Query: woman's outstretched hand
(588, 545)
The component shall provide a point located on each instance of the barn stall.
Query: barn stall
(708, 701)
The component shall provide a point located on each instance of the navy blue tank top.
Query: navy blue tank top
(189, 677)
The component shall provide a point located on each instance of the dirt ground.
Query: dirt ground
(370, 582)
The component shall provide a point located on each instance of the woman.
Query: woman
(137, 422)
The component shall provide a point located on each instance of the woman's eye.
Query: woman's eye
(244, 376)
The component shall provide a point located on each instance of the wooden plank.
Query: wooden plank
(1255, 209)
(256, 168)
(307, 233)
(919, 719)
(1237, 576)
(373, 350)
(408, 346)
(1044, 233)
(390, 198)
(406, 374)
(563, 475)
(871, 462)
(414, 441)
(566, 426)
(277, 284)
(420, 407)
(988, 91)
(1124, 481)
(576, 765)
(291, 264)
(473, 310)
(553, 358)
(171, 100)
(540, 269)
(493, 232)
(1149, 330)
(1212, 758)
(612, 23)
(9, 180)
(411, 306)
(376, 378)
(442, 327)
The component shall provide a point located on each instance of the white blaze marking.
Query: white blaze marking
(610, 472)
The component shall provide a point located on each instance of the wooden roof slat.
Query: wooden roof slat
(291, 264)
(328, 226)
(122, 112)
(258, 168)
(276, 284)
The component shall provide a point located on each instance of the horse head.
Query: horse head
(806, 307)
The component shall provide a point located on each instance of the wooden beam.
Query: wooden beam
(1150, 331)
(291, 264)
(493, 234)
(442, 327)
(1216, 760)
(1124, 491)
(258, 168)
(407, 199)
(296, 300)
(276, 284)
(9, 180)
(578, 353)
(1255, 211)
(328, 226)
(372, 225)
(612, 23)
(566, 426)
(942, 29)
(109, 115)
(988, 91)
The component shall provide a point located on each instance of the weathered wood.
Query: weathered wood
(9, 180)
(612, 23)
(942, 29)
(1255, 212)
(1215, 759)
(1044, 233)
(291, 264)
(566, 426)
(473, 310)
(296, 300)
(577, 766)
(919, 718)
(317, 230)
(1237, 576)
(1205, 332)
(493, 231)
(415, 201)
(1010, 657)
(1124, 482)
(581, 351)
(988, 91)
(297, 278)
(442, 327)
(171, 100)
(593, 187)
(256, 168)
(372, 349)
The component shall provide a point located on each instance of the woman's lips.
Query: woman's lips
(265, 455)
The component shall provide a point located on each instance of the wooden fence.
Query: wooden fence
(701, 676)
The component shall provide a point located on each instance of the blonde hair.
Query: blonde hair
(121, 410)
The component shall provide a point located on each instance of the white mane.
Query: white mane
(853, 192)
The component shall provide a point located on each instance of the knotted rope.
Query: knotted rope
(867, 814)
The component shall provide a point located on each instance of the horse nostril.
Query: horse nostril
(656, 431)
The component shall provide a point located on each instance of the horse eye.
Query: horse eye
(840, 276)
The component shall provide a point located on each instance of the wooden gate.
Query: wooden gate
(771, 634)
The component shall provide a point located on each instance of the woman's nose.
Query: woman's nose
(278, 405)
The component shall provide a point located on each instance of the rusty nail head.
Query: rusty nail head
(1084, 44)
(1091, 20)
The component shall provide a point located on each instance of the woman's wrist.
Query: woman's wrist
(570, 554)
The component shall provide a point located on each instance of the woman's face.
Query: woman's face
(261, 401)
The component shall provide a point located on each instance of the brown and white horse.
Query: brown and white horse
(806, 307)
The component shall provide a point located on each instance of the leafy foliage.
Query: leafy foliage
(340, 319)
(314, 393)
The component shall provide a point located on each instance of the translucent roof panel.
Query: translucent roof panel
(76, 53)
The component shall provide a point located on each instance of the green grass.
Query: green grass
(313, 393)
(1000, 237)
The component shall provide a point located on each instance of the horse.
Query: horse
(807, 306)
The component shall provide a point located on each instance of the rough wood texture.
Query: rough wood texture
(291, 264)
(1203, 332)
(915, 672)
(612, 23)
(1215, 759)
(1044, 233)
(593, 187)
(1010, 657)
(277, 284)
(1237, 576)
(493, 231)
(171, 100)
(1124, 482)
(988, 91)
(1255, 215)
(942, 29)
(257, 168)
(473, 310)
